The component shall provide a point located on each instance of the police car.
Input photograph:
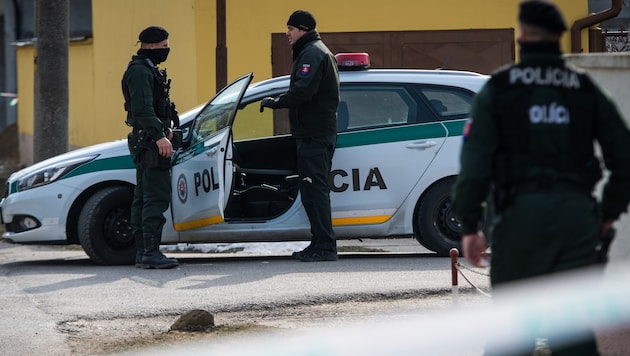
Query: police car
(396, 158)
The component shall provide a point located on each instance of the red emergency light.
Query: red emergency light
(352, 61)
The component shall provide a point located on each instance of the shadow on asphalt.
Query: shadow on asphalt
(186, 258)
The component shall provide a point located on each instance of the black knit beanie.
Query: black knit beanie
(153, 34)
(542, 14)
(302, 19)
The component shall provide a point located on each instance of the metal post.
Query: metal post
(454, 253)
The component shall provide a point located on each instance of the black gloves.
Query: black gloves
(268, 102)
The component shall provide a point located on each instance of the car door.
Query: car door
(381, 153)
(202, 173)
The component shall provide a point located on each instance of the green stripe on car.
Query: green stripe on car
(399, 133)
(105, 164)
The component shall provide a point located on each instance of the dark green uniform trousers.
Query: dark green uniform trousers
(151, 199)
(314, 163)
(543, 233)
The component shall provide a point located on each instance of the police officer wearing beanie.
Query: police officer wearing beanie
(531, 138)
(150, 113)
(312, 100)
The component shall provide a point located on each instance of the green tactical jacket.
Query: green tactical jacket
(139, 80)
(539, 103)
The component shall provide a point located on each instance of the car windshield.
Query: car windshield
(218, 113)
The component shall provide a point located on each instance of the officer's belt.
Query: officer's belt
(550, 185)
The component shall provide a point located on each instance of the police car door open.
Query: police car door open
(202, 174)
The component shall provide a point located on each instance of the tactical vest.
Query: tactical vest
(161, 93)
(545, 118)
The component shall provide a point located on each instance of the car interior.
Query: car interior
(265, 178)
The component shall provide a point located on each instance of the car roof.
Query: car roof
(463, 79)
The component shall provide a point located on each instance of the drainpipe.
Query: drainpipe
(576, 37)
(17, 13)
(221, 50)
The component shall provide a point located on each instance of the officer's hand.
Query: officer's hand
(164, 147)
(474, 248)
(606, 226)
(268, 102)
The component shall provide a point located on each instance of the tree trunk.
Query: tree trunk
(51, 79)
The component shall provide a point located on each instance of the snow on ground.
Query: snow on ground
(253, 248)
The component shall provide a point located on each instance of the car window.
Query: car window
(251, 123)
(218, 113)
(372, 105)
(448, 102)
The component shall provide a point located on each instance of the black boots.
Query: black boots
(152, 257)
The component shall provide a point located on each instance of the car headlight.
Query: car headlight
(51, 173)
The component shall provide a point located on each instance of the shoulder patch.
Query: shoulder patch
(467, 128)
(305, 70)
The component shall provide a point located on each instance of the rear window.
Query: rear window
(448, 102)
(369, 106)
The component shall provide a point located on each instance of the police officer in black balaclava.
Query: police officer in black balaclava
(150, 112)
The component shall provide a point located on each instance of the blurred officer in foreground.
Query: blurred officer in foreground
(150, 112)
(531, 138)
(312, 99)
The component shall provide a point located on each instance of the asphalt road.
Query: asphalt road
(42, 286)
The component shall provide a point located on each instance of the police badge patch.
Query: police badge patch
(306, 69)
(182, 188)
(467, 128)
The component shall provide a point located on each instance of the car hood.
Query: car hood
(101, 150)
(107, 149)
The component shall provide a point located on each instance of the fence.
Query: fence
(457, 270)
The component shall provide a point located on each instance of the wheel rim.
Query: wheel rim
(447, 224)
(117, 229)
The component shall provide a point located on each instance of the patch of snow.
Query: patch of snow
(258, 248)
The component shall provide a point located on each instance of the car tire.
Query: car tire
(104, 227)
(435, 225)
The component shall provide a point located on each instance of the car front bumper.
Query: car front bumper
(37, 215)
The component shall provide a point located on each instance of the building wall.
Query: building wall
(190, 63)
(97, 65)
(25, 77)
(610, 71)
(396, 15)
(82, 114)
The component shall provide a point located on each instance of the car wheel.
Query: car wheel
(436, 227)
(105, 229)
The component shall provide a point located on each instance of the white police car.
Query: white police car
(396, 158)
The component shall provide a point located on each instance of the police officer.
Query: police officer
(531, 138)
(149, 111)
(312, 99)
